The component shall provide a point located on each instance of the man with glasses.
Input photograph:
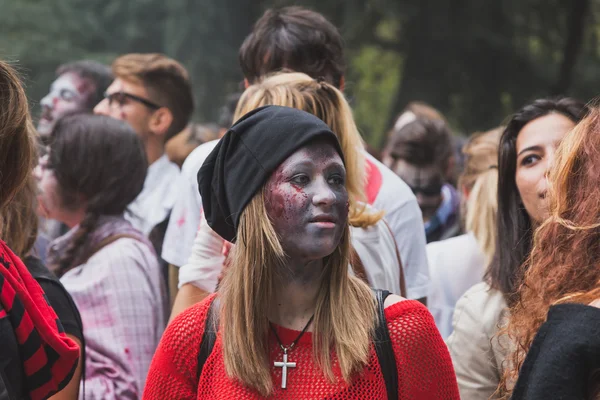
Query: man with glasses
(419, 152)
(153, 94)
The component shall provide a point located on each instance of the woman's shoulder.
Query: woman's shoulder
(482, 300)
(125, 248)
(400, 311)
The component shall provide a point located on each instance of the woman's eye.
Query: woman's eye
(530, 159)
(336, 180)
(300, 180)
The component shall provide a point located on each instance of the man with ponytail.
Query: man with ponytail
(108, 267)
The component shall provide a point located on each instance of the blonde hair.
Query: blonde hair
(298, 90)
(345, 311)
(480, 180)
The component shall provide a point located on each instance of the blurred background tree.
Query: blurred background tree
(474, 60)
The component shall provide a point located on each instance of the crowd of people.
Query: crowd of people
(272, 254)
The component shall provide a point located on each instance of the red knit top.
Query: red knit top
(424, 367)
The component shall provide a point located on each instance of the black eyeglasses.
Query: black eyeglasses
(120, 98)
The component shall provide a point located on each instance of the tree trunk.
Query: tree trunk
(573, 45)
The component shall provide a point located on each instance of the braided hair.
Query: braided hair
(100, 164)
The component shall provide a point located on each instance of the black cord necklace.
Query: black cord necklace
(284, 365)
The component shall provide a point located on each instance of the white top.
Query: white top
(393, 196)
(185, 217)
(153, 204)
(376, 248)
(455, 265)
(404, 217)
(121, 295)
(477, 346)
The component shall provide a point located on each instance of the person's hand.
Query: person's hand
(595, 303)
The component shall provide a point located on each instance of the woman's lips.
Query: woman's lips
(324, 221)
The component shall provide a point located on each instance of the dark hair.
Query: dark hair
(99, 74)
(293, 38)
(17, 135)
(227, 111)
(100, 159)
(514, 234)
(422, 142)
(166, 81)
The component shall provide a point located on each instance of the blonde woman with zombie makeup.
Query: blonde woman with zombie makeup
(288, 320)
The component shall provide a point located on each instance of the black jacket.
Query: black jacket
(564, 360)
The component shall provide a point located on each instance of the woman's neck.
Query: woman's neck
(296, 294)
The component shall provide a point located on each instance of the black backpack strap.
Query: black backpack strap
(211, 327)
(384, 349)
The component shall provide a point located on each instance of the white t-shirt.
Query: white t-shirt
(185, 217)
(153, 204)
(404, 217)
(386, 191)
(455, 265)
(376, 248)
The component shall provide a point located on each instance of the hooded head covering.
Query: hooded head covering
(248, 155)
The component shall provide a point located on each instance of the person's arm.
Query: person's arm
(200, 275)
(423, 363)
(71, 391)
(187, 296)
(173, 370)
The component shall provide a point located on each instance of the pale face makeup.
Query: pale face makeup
(307, 202)
(536, 146)
(68, 93)
(50, 201)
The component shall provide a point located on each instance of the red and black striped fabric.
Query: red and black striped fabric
(49, 357)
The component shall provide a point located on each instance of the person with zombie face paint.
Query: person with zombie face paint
(419, 153)
(301, 40)
(79, 86)
(291, 322)
(153, 94)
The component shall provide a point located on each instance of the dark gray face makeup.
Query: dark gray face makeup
(307, 201)
(426, 183)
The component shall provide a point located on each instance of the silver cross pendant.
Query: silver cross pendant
(284, 365)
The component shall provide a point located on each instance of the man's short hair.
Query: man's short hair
(422, 142)
(166, 81)
(293, 38)
(98, 74)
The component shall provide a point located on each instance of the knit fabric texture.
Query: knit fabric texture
(424, 367)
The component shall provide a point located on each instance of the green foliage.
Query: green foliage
(474, 60)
